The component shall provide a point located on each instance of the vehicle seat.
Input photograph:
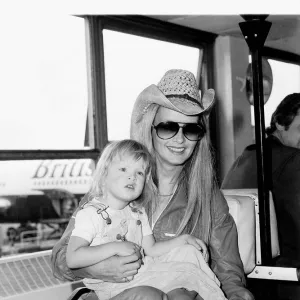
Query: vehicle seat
(243, 206)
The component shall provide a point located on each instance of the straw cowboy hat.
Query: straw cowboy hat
(177, 90)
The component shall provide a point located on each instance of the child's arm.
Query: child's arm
(153, 248)
(80, 254)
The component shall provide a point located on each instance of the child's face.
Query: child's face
(125, 180)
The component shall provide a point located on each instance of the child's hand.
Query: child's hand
(127, 248)
(198, 244)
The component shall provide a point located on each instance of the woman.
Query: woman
(170, 119)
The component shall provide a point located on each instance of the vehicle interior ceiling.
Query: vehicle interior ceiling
(284, 34)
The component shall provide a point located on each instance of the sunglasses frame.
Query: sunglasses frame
(181, 125)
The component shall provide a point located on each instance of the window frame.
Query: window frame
(280, 55)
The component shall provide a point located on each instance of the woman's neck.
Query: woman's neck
(167, 178)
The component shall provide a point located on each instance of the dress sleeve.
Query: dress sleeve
(226, 261)
(86, 224)
(146, 229)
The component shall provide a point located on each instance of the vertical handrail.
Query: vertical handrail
(255, 30)
(96, 83)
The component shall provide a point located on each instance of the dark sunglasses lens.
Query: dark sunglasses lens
(192, 132)
(167, 130)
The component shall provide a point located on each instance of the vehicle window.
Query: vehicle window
(43, 106)
(43, 82)
(286, 80)
(37, 199)
(131, 64)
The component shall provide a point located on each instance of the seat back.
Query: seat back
(243, 206)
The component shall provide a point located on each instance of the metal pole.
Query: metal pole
(255, 31)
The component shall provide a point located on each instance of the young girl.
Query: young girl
(113, 222)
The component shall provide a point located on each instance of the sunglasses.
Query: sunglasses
(167, 130)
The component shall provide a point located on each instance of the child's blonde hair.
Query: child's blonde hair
(123, 148)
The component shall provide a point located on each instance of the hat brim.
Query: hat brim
(152, 95)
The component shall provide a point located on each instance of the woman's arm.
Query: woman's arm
(113, 269)
(226, 261)
(80, 254)
(153, 248)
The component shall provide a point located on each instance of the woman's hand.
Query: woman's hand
(197, 243)
(127, 248)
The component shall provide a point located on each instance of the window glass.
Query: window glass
(43, 81)
(286, 80)
(131, 64)
(37, 199)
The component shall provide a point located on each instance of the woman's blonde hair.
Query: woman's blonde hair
(122, 148)
(198, 175)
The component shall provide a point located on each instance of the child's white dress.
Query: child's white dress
(183, 267)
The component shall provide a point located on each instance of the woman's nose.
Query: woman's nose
(179, 137)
